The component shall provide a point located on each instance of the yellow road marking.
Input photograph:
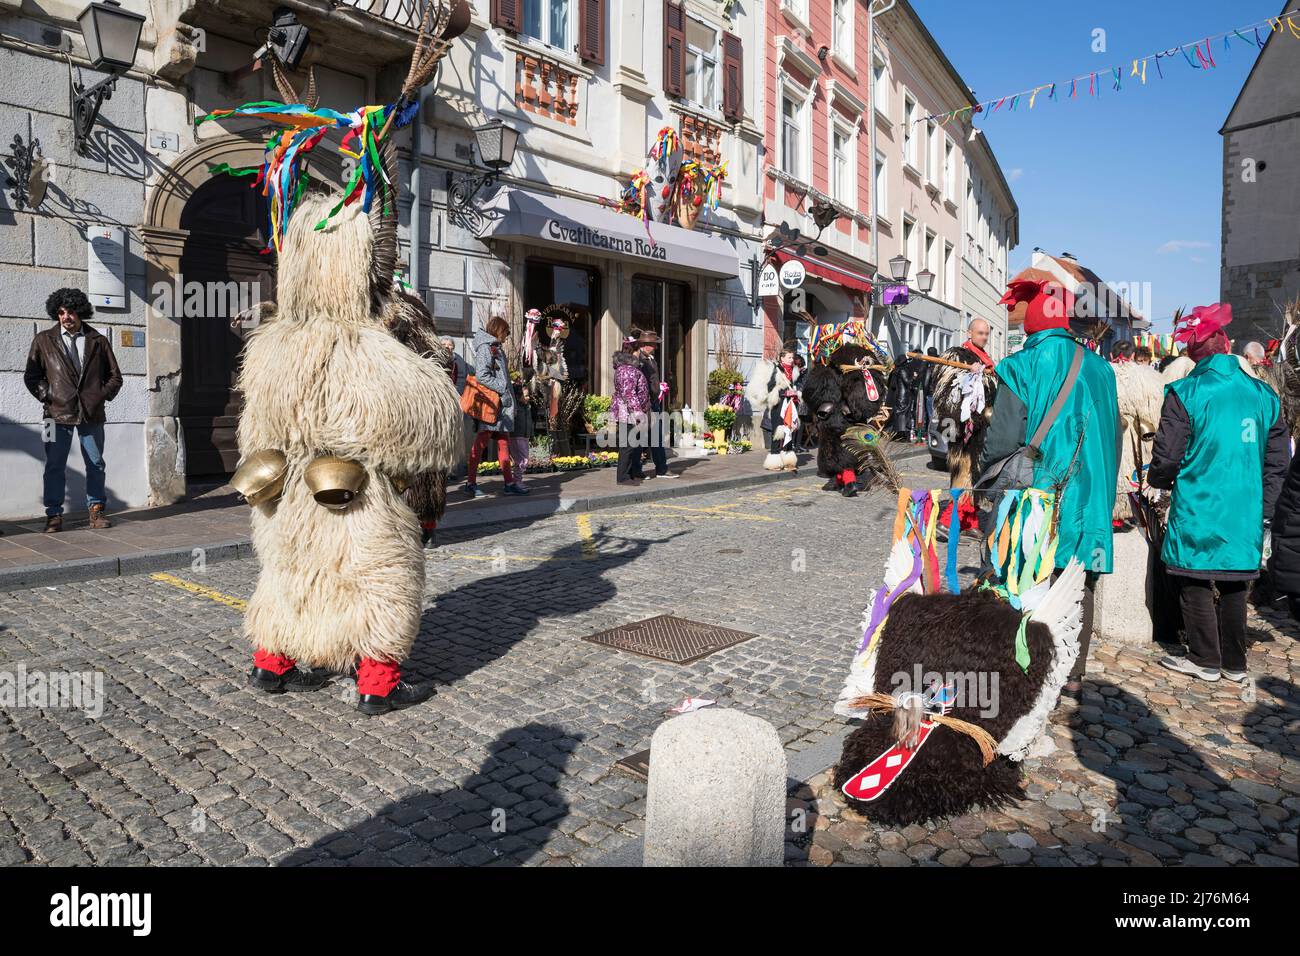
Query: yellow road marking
(716, 512)
(239, 604)
(588, 542)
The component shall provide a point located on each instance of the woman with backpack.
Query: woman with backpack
(492, 372)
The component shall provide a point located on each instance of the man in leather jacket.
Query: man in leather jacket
(72, 371)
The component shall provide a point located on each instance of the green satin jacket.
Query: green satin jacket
(1216, 516)
(1034, 374)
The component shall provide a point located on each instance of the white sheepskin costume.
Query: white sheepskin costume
(756, 391)
(1141, 393)
(327, 378)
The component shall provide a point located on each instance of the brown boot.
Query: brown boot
(97, 520)
(54, 524)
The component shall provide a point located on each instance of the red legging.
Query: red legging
(503, 455)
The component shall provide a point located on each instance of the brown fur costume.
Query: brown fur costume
(411, 323)
(963, 639)
(836, 400)
(328, 377)
(969, 634)
(963, 452)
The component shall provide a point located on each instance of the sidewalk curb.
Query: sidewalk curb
(90, 569)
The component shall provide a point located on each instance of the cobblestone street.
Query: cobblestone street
(513, 761)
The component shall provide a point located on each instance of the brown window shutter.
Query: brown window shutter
(591, 30)
(674, 48)
(733, 77)
(506, 14)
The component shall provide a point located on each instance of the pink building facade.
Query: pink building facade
(816, 97)
(858, 121)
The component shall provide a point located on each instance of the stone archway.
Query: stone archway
(172, 247)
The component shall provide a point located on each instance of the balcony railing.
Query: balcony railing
(546, 88)
(701, 140)
(403, 13)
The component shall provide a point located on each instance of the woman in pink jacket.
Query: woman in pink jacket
(628, 412)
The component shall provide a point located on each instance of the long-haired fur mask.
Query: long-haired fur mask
(325, 272)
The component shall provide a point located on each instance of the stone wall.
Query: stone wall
(1261, 226)
(44, 249)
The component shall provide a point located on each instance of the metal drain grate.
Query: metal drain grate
(671, 639)
(636, 765)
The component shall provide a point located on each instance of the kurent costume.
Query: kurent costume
(846, 396)
(963, 405)
(773, 387)
(1140, 392)
(935, 741)
(339, 414)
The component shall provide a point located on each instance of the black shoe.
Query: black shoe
(849, 491)
(259, 678)
(831, 485)
(427, 538)
(294, 680)
(402, 696)
(302, 680)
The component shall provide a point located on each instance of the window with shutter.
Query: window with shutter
(733, 77)
(591, 30)
(506, 14)
(674, 48)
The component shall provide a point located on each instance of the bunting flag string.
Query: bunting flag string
(1199, 55)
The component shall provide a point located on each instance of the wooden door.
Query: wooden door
(222, 272)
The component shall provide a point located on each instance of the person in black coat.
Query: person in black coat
(1284, 563)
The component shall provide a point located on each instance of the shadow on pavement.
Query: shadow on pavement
(501, 815)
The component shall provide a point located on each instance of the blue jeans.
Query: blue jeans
(56, 464)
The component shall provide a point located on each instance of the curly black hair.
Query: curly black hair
(74, 300)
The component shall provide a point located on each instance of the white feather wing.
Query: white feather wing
(861, 679)
(1062, 611)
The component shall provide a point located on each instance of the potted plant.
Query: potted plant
(595, 411)
(719, 418)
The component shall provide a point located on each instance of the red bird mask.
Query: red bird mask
(1048, 305)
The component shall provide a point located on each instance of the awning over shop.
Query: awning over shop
(578, 226)
(853, 281)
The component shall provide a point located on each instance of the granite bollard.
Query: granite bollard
(1121, 613)
(716, 793)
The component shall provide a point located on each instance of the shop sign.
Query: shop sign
(792, 274)
(769, 281)
(578, 235)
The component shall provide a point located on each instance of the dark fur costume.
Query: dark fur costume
(838, 400)
(963, 452)
(971, 633)
(412, 324)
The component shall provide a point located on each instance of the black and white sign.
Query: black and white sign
(792, 274)
(769, 281)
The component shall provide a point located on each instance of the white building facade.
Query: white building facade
(587, 84)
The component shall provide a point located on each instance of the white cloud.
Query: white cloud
(1014, 174)
(1181, 245)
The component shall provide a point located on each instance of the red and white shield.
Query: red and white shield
(875, 778)
(869, 380)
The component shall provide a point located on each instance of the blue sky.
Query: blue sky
(1129, 181)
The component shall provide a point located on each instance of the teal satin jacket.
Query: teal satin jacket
(1091, 415)
(1216, 516)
